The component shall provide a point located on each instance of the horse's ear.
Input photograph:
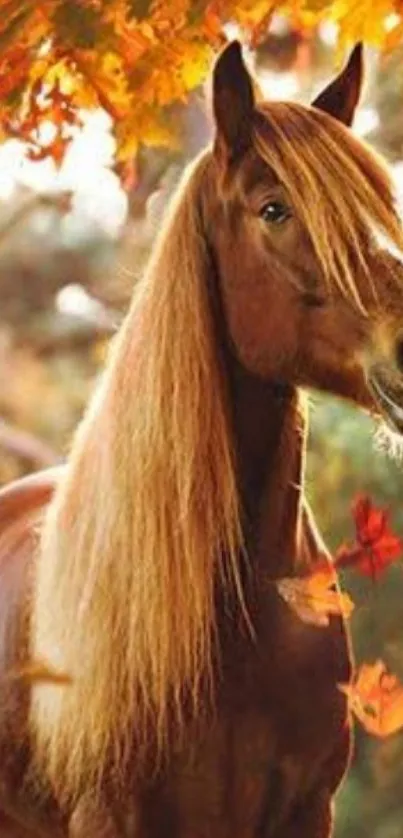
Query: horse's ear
(341, 97)
(233, 104)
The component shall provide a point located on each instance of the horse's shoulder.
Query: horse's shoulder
(23, 499)
(22, 504)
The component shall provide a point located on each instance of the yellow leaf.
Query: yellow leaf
(251, 13)
(362, 20)
(148, 125)
(314, 598)
(318, 7)
(376, 699)
(196, 63)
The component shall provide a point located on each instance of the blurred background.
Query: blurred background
(72, 244)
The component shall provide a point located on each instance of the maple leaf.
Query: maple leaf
(376, 699)
(376, 546)
(315, 598)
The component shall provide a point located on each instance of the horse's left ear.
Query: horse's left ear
(233, 104)
(341, 97)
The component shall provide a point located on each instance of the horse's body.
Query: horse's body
(278, 728)
(200, 704)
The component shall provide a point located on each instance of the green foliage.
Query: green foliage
(343, 461)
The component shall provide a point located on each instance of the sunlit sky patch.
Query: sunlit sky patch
(97, 198)
(75, 300)
(391, 21)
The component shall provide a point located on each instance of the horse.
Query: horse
(196, 702)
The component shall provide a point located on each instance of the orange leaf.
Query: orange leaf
(376, 699)
(376, 546)
(13, 71)
(315, 598)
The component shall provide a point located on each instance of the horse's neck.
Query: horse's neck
(269, 437)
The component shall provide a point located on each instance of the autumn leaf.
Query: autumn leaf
(139, 8)
(376, 546)
(315, 598)
(138, 57)
(251, 13)
(376, 699)
(362, 20)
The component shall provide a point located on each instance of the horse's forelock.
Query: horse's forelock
(340, 189)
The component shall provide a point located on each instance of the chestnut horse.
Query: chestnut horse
(199, 704)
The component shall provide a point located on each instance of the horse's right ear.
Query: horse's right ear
(341, 97)
(233, 104)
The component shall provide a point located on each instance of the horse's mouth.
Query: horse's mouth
(388, 397)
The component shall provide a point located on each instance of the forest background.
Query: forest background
(102, 104)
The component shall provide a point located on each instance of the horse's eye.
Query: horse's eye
(275, 212)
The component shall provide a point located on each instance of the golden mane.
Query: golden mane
(339, 187)
(142, 526)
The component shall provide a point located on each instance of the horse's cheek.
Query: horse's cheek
(262, 325)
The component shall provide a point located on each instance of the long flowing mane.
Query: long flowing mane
(146, 521)
(143, 525)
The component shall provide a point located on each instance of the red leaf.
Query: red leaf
(376, 546)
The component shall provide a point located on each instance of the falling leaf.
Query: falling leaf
(315, 598)
(376, 699)
(376, 546)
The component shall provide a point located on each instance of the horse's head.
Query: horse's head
(308, 240)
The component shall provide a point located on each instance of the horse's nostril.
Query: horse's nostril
(399, 354)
